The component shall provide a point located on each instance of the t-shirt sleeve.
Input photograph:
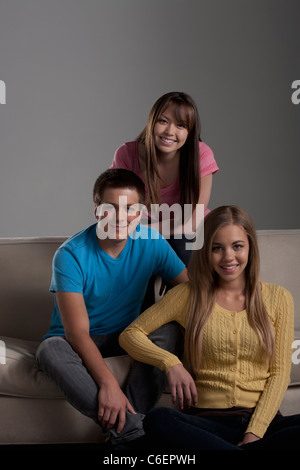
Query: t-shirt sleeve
(168, 264)
(122, 158)
(208, 164)
(66, 273)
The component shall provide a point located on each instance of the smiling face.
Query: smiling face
(230, 253)
(169, 133)
(118, 214)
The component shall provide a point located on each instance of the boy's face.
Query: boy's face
(118, 214)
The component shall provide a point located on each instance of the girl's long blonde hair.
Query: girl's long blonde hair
(203, 281)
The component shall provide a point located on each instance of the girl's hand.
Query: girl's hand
(182, 386)
(249, 437)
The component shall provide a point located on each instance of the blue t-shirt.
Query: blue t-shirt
(113, 288)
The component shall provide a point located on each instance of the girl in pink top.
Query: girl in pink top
(169, 156)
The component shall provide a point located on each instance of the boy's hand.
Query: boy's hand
(112, 405)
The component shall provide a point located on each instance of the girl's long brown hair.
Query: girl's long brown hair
(189, 171)
(203, 281)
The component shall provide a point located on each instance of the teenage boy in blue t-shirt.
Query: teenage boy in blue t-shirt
(100, 277)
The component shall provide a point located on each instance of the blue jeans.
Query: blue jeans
(145, 383)
(172, 429)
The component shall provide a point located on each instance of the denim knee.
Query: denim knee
(169, 337)
(49, 349)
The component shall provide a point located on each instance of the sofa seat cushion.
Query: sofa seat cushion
(20, 375)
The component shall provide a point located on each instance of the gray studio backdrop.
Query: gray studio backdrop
(81, 76)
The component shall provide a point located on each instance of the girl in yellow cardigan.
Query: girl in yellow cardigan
(238, 346)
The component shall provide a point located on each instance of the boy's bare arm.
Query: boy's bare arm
(112, 402)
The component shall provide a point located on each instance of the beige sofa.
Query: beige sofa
(32, 410)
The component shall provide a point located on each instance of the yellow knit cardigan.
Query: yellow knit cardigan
(233, 369)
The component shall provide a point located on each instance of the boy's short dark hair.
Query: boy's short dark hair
(118, 178)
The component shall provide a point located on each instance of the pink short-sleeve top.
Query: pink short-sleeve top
(126, 156)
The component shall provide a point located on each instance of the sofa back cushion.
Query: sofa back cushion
(279, 253)
(25, 273)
